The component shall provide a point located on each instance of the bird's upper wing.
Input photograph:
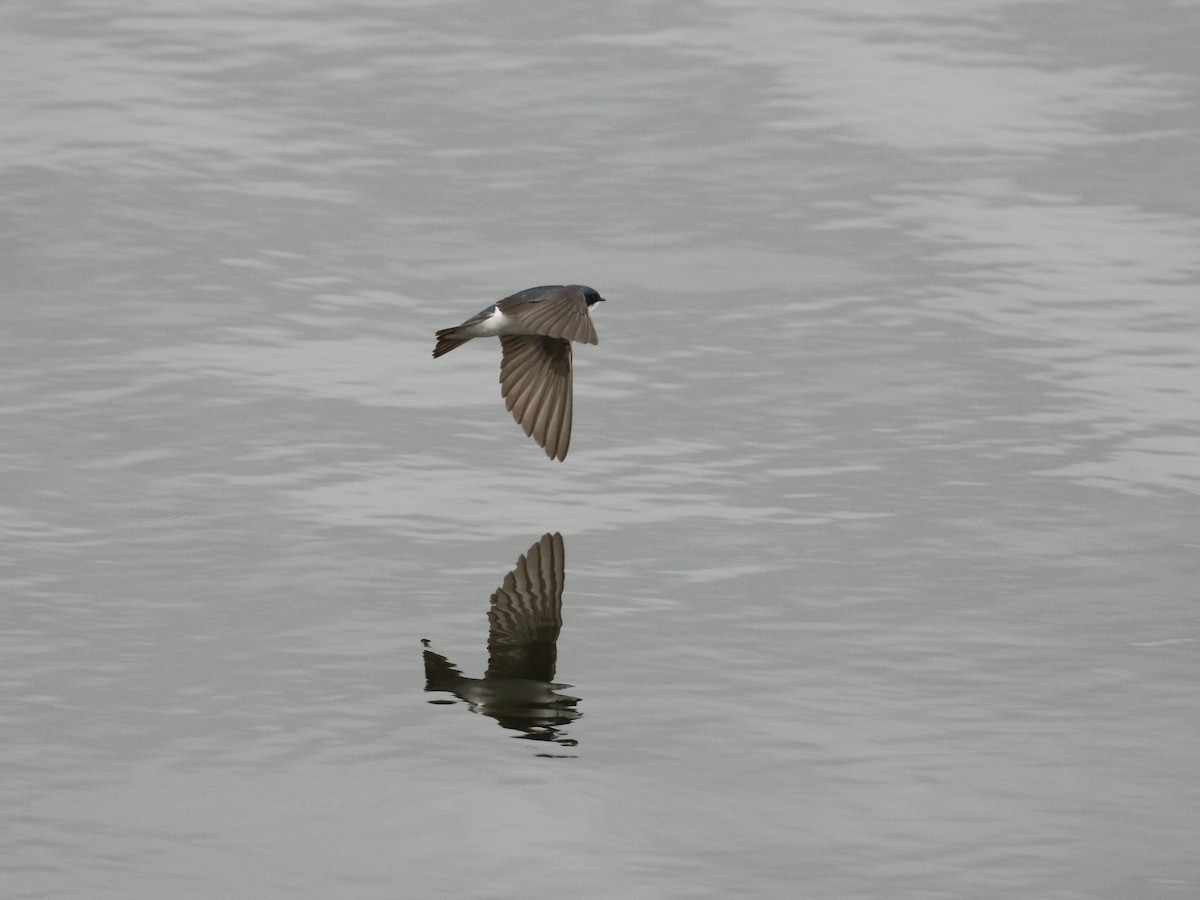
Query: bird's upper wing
(535, 381)
(560, 312)
(526, 614)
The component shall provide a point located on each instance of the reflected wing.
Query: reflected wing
(560, 312)
(535, 380)
(525, 616)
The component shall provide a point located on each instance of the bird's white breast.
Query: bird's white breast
(494, 325)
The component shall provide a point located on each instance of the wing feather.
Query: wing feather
(536, 383)
(559, 313)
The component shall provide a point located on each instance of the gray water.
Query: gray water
(882, 513)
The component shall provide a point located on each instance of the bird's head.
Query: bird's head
(591, 295)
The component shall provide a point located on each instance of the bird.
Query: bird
(536, 327)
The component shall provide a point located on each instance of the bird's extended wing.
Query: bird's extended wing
(555, 312)
(535, 381)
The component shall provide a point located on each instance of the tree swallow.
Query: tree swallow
(535, 327)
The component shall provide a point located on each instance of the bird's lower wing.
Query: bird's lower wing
(535, 381)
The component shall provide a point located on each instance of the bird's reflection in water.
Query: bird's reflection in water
(524, 619)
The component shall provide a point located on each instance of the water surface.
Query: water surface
(880, 516)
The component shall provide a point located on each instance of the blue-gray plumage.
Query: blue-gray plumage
(535, 327)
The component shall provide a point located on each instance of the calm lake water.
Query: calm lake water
(880, 528)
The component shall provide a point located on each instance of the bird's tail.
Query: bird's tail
(447, 342)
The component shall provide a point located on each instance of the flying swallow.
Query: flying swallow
(535, 327)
